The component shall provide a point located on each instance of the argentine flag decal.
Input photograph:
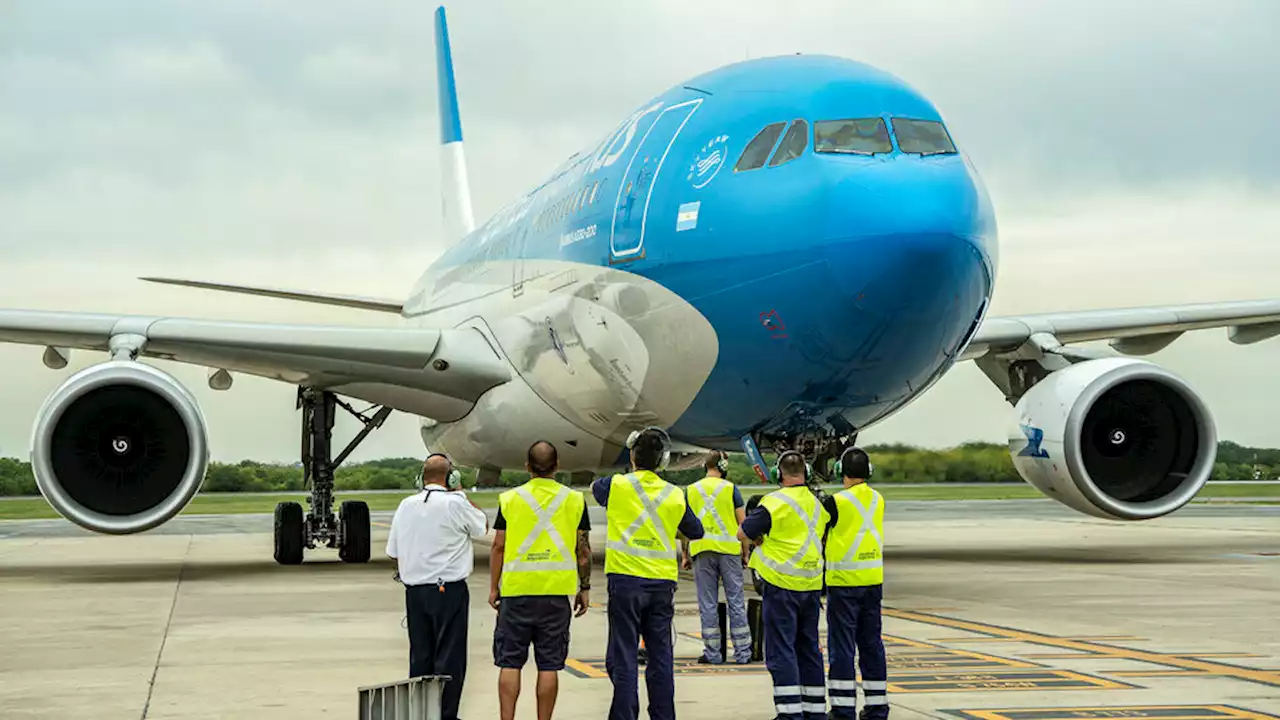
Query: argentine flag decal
(687, 216)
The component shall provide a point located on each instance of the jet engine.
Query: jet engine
(1117, 438)
(119, 448)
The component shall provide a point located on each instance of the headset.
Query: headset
(860, 457)
(666, 443)
(722, 463)
(453, 480)
(777, 464)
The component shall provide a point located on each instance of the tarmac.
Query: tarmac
(1001, 610)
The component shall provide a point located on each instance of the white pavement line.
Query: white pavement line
(151, 686)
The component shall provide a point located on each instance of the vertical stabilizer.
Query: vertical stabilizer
(455, 191)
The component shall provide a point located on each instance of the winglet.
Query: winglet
(455, 190)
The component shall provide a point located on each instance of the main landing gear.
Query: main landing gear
(348, 531)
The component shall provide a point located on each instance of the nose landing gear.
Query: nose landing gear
(349, 531)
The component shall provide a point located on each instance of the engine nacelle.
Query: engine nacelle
(1118, 438)
(119, 448)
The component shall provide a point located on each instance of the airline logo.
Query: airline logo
(687, 216)
(1035, 436)
(707, 163)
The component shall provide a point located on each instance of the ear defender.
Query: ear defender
(777, 465)
(666, 443)
(723, 464)
(453, 480)
(858, 456)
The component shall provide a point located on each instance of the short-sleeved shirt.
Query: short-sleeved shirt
(759, 522)
(500, 523)
(431, 535)
(689, 526)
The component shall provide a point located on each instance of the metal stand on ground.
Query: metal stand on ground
(723, 612)
(755, 621)
(419, 698)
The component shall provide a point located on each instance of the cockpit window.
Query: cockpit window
(793, 144)
(861, 136)
(922, 137)
(757, 151)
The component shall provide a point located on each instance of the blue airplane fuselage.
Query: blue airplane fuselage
(833, 283)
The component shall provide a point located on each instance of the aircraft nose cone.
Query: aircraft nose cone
(914, 197)
(917, 260)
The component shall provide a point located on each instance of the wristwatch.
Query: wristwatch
(583, 587)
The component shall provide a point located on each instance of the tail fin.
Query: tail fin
(455, 191)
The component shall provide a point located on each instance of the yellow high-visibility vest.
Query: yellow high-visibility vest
(542, 520)
(711, 499)
(790, 556)
(855, 546)
(643, 516)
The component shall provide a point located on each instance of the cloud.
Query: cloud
(1130, 149)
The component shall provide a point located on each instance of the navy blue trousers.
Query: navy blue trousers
(853, 625)
(793, 652)
(635, 611)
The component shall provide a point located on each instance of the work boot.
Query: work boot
(704, 660)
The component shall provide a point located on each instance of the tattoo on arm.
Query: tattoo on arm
(584, 557)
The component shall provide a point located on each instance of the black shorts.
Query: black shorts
(539, 619)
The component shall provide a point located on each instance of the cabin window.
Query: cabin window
(922, 137)
(859, 136)
(757, 151)
(793, 144)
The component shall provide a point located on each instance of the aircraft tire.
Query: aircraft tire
(290, 533)
(356, 531)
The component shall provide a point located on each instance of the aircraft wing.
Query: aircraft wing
(1133, 331)
(428, 372)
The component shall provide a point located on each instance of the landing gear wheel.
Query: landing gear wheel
(353, 519)
(290, 533)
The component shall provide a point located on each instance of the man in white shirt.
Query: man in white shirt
(430, 540)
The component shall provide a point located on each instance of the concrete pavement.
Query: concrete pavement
(989, 612)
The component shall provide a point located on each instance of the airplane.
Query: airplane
(779, 253)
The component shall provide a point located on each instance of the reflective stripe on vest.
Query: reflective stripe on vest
(630, 511)
(721, 533)
(550, 571)
(790, 572)
(844, 569)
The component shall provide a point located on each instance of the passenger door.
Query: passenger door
(626, 238)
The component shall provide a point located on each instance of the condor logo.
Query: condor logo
(1035, 436)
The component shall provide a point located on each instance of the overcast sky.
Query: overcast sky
(1132, 150)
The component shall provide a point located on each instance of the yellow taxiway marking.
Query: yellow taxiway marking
(382, 524)
(1255, 675)
(1077, 655)
(1047, 679)
(1081, 638)
(585, 669)
(1130, 712)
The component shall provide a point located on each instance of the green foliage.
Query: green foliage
(973, 462)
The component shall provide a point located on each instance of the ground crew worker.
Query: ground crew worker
(719, 558)
(644, 513)
(855, 577)
(430, 539)
(787, 526)
(532, 574)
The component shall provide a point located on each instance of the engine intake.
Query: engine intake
(1118, 438)
(119, 448)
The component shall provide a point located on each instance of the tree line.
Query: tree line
(896, 463)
